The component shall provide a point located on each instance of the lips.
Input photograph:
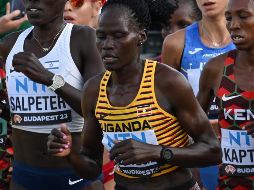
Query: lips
(33, 12)
(208, 3)
(33, 9)
(109, 58)
(237, 38)
(68, 19)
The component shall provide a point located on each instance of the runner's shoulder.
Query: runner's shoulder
(216, 64)
(167, 77)
(175, 42)
(7, 43)
(92, 85)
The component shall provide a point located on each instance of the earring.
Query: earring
(140, 43)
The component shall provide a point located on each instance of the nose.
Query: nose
(233, 24)
(108, 43)
(68, 6)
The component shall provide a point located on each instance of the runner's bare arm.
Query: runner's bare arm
(90, 64)
(6, 44)
(206, 149)
(87, 162)
(172, 49)
(209, 80)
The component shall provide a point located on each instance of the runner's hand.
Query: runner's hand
(59, 142)
(7, 23)
(134, 152)
(29, 65)
(250, 128)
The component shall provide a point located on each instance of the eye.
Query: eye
(118, 35)
(243, 16)
(183, 24)
(228, 18)
(100, 36)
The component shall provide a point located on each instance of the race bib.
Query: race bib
(135, 170)
(238, 153)
(34, 104)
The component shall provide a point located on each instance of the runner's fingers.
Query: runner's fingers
(12, 15)
(55, 145)
(55, 139)
(121, 158)
(250, 131)
(57, 133)
(54, 151)
(130, 160)
(64, 129)
(8, 8)
(249, 126)
(18, 22)
(115, 152)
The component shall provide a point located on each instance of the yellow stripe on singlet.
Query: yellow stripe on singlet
(142, 114)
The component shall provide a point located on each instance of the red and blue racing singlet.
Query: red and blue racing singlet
(236, 109)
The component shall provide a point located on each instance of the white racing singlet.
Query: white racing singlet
(33, 106)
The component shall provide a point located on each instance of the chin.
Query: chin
(71, 21)
(111, 67)
(242, 47)
(211, 13)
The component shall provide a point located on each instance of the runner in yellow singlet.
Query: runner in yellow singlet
(143, 112)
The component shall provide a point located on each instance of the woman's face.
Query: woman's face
(117, 39)
(240, 23)
(212, 8)
(181, 18)
(83, 15)
(44, 11)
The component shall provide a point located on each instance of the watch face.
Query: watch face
(59, 80)
(167, 154)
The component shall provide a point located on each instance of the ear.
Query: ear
(96, 7)
(142, 37)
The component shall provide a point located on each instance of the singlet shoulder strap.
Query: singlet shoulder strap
(191, 33)
(21, 38)
(229, 64)
(149, 70)
(147, 83)
(228, 77)
(103, 86)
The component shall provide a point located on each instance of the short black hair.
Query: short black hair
(143, 11)
(166, 10)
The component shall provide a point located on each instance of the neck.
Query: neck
(215, 26)
(94, 22)
(130, 74)
(44, 32)
(214, 31)
(246, 58)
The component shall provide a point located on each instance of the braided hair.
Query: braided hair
(143, 12)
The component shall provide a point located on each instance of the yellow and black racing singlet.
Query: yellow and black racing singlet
(142, 120)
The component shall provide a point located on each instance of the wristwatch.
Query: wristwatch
(166, 154)
(58, 82)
